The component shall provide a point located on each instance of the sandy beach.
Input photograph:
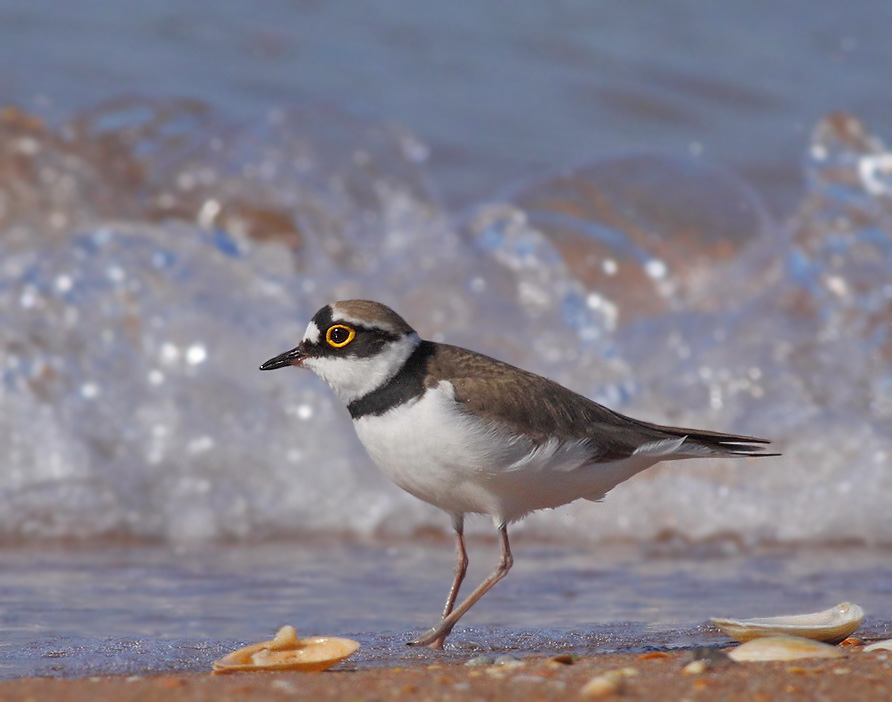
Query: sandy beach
(658, 675)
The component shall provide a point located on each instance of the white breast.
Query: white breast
(461, 464)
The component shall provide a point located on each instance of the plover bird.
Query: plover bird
(470, 434)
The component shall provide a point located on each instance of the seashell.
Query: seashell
(287, 652)
(832, 625)
(783, 648)
(885, 645)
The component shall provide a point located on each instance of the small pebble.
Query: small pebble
(613, 682)
(508, 661)
(481, 660)
(602, 686)
(695, 668)
(705, 658)
(560, 660)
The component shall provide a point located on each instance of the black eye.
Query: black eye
(339, 335)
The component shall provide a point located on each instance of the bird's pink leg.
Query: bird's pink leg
(436, 636)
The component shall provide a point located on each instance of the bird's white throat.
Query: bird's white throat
(354, 377)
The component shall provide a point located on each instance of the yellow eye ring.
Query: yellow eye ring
(339, 335)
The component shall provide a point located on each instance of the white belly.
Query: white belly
(460, 464)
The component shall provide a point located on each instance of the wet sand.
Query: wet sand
(647, 676)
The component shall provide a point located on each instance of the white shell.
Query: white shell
(832, 625)
(783, 648)
(885, 645)
(287, 652)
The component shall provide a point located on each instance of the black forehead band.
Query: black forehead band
(323, 318)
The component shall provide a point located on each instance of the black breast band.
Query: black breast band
(407, 384)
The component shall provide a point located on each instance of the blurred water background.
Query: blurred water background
(683, 212)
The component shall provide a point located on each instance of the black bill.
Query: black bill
(289, 358)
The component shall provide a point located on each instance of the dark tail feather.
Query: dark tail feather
(698, 442)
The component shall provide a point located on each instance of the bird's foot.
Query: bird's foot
(432, 638)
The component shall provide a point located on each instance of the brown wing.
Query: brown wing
(543, 409)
